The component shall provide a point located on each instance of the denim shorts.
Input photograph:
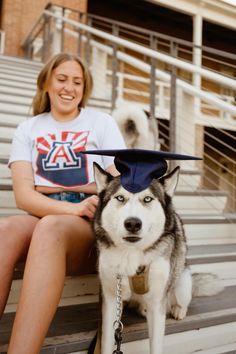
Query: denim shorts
(73, 197)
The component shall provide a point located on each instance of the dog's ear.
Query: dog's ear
(101, 177)
(170, 181)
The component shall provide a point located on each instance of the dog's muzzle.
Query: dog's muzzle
(133, 226)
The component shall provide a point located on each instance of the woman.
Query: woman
(52, 179)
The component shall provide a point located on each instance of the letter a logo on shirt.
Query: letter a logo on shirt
(61, 156)
(59, 159)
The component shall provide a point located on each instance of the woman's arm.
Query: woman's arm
(113, 171)
(35, 203)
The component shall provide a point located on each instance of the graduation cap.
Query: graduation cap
(138, 167)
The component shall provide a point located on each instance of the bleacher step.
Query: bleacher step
(20, 62)
(11, 77)
(8, 67)
(17, 100)
(210, 229)
(23, 72)
(9, 119)
(218, 259)
(184, 203)
(74, 326)
(14, 108)
(17, 91)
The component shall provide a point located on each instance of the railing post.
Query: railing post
(80, 34)
(87, 45)
(29, 50)
(173, 104)
(115, 32)
(46, 34)
(62, 30)
(153, 45)
(2, 42)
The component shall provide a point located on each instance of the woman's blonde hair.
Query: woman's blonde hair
(41, 102)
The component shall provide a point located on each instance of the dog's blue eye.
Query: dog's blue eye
(120, 198)
(147, 199)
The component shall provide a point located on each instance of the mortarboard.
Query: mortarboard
(138, 167)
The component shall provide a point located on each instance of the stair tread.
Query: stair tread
(78, 322)
(211, 249)
(208, 218)
(203, 192)
(195, 255)
(205, 254)
(21, 61)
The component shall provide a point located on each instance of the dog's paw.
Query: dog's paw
(178, 312)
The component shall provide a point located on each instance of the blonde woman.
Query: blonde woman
(54, 184)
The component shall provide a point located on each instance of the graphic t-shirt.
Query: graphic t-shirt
(54, 147)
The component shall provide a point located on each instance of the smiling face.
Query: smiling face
(65, 90)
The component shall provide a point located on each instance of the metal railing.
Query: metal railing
(150, 69)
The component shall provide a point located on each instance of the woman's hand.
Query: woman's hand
(87, 207)
(40, 205)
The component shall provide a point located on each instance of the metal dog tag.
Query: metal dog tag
(139, 283)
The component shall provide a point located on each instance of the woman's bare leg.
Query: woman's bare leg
(58, 243)
(15, 235)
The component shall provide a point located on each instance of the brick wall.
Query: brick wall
(18, 17)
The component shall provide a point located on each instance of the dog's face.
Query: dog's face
(130, 219)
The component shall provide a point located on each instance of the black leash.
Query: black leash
(118, 339)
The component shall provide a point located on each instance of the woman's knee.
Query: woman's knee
(50, 230)
(10, 232)
(5, 233)
(14, 238)
(64, 230)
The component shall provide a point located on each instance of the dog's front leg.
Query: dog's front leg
(156, 317)
(156, 304)
(108, 318)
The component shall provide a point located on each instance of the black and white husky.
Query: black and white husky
(141, 232)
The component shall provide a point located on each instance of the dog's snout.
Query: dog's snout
(133, 224)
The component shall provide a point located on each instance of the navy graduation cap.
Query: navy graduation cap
(138, 167)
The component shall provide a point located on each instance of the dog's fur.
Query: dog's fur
(143, 230)
(138, 128)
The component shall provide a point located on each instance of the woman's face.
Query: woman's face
(65, 90)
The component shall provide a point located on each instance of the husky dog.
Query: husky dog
(142, 233)
(137, 127)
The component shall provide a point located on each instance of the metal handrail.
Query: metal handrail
(181, 64)
(148, 32)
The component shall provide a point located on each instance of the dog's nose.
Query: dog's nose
(133, 224)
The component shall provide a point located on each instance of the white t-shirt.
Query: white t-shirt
(54, 147)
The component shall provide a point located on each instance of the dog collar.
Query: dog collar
(139, 283)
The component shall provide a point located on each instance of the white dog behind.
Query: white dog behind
(137, 127)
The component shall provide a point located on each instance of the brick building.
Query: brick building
(18, 17)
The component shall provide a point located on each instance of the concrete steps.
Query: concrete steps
(219, 259)
(185, 204)
(210, 326)
(208, 317)
(202, 229)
